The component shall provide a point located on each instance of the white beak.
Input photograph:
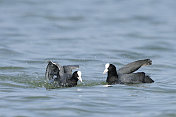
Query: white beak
(106, 68)
(79, 76)
(105, 71)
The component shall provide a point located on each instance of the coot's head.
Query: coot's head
(109, 68)
(77, 74)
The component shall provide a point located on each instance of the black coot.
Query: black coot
(62, 75)
(125, 74)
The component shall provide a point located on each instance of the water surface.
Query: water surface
(89, 33)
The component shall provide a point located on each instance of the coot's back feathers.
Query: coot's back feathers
(134, 78)
(68, 69)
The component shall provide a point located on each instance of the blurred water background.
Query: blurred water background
(89, 33)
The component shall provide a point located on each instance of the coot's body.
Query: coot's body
(125, 74)
(62, 75)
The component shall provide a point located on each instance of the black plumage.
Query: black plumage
(125, 74)
(62, 75)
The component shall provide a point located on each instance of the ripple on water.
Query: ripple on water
(8, 52)
(88, 33)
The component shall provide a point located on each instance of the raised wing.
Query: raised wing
(56, 72)
(134, 66)
(52, 71)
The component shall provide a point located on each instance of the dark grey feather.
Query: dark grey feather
(52, 71)
(132, 78)
(134, 66)
(68, 69)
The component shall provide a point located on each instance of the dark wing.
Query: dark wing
(132, 78)
(52, 71)
(134, 66)
(68, 69)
